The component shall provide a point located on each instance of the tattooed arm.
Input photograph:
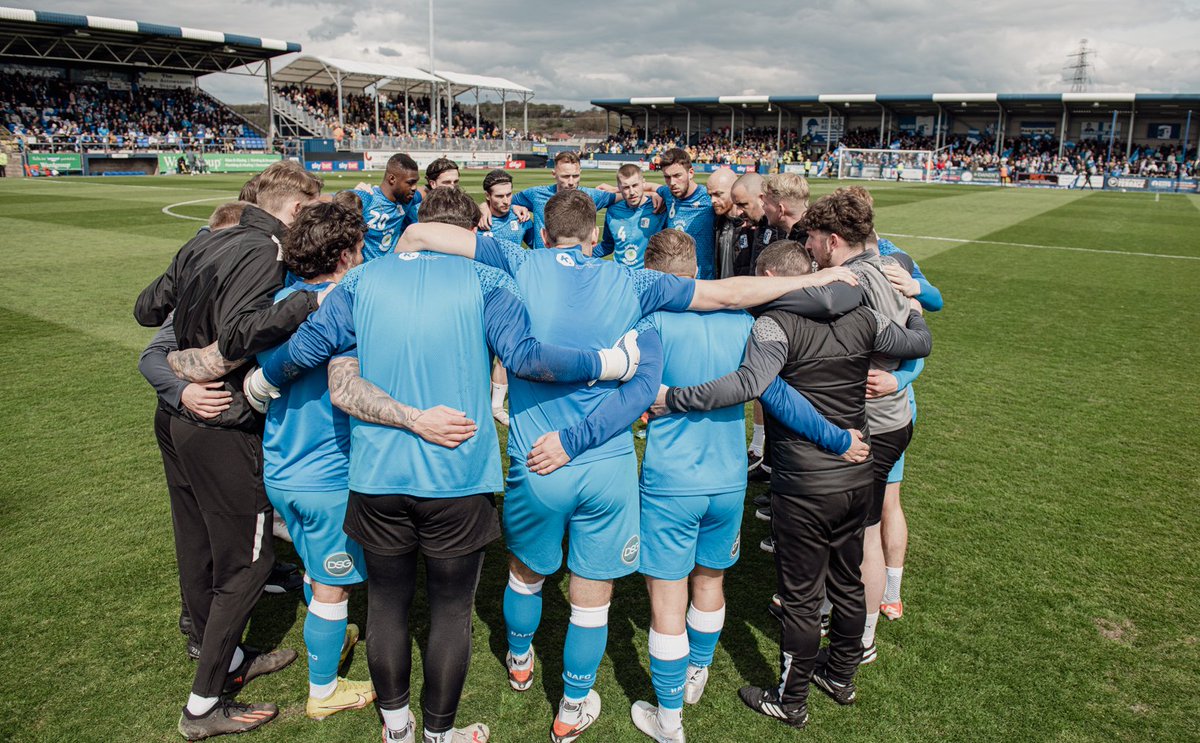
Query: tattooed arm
(360, 398)
(201, 364)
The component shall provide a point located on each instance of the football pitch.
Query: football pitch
(1053, 577)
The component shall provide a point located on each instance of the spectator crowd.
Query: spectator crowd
(62, 115)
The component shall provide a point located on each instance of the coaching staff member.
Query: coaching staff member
(221, 286)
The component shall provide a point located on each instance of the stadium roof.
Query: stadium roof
(323, 72)
(861, 103)
(96, 41)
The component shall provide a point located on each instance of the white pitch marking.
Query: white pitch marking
(167, 209)
(1043, 247)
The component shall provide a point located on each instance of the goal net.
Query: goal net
(888, 165)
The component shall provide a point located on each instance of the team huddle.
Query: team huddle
(326, 370)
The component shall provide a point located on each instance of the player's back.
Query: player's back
(306, 441)
(577, 301)
(699, 452)
(419, 322)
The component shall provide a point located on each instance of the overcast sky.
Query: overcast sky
(571, 52)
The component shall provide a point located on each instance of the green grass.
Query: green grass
(1052, 493)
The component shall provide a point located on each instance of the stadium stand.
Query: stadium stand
(1122, 134)
(56, 114)
(75, 88)
(369, 105)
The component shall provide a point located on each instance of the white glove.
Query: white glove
(621, 361)
(259, 392)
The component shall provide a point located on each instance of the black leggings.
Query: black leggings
(450, 585)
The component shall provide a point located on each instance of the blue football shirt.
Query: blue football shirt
(698, 453)
(578, 301)
(627, 232)
(385, 219)
(306, 442)
(694, 215)
(534, 199)
(511, 230)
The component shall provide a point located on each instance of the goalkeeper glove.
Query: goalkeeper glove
(259, 392)
(621, 361)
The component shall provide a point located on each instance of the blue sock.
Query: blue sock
(522, 615)
(703, 632)
(668, 668)
(587, 636)
(324, 638)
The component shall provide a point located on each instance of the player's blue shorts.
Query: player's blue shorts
(680, 532)
(594, 504)
(314, 520)
(896, 474)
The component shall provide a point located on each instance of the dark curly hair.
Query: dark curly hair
(315, 241)
(845, 212)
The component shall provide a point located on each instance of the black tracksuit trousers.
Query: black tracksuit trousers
(222, 539)
(818, 550)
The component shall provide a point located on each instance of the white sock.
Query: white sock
(891, 593)
(826, 607)
(322, 691)
(758, 439)
(705, 621)
(442, 737)
(198, 705)
(498, 393)
(869, 629)
(236, 660)
(670, 720)
(396, 719)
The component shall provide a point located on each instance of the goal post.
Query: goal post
(888, 165)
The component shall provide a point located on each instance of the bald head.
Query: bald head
(720, 185)
(747, 196)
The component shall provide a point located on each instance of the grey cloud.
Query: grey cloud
(573, 52)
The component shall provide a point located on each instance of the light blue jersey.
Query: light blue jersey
(306, 464)
(694, 215)
(534, 199)
(306, 442)
(627, 232)
(511, 230)
(698, 453)
(423, 324)
(385, 219)
(577, 301)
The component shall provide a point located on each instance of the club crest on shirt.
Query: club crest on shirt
(767, 233)
(565, 260)
(630, 255)
(514, 226)
(645, 223)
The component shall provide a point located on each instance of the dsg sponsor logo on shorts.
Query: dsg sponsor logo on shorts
(629, 553)
(339, 564)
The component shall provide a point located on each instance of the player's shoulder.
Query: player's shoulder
(491, 279)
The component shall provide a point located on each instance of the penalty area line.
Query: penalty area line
(1044, 247)
(167, 209)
